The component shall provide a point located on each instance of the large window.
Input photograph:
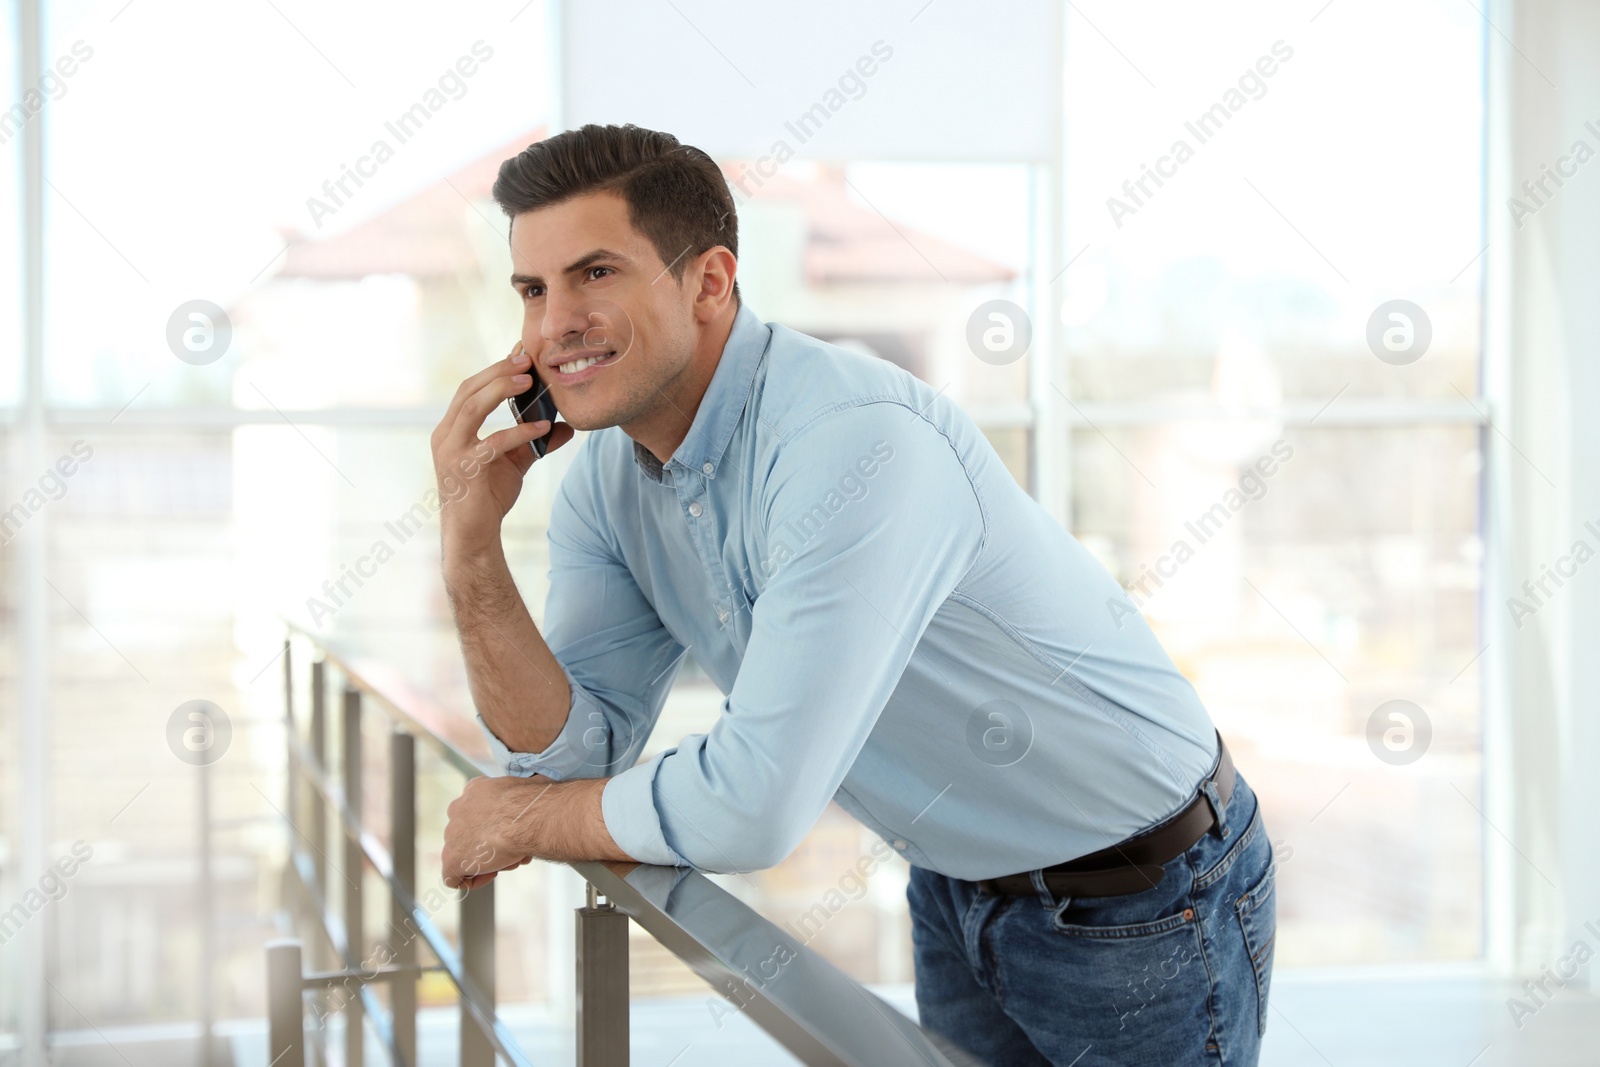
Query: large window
(1296, 510)
(243, 369)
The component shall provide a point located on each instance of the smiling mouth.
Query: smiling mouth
(585, 362)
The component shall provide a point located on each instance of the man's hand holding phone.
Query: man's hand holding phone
(480, 479)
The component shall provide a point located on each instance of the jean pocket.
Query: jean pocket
(1258, 920)
(1127, 916)
(1137, 974)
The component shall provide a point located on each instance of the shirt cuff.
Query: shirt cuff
(577, 751)
(628, 806)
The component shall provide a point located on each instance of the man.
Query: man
(896, 624)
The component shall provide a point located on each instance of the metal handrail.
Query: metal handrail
(805, 1003)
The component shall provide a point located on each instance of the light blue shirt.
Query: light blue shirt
(895, 623)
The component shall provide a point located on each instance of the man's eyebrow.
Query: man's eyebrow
(588, 259)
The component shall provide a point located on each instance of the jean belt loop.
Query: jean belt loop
(1036, 876)
(1214, 798)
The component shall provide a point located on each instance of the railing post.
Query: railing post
(292, 786)
(403, 851)
(477, 965)
(319, 804)
(286, 1035)
(208, 919)
(602, 955)
(354, 873)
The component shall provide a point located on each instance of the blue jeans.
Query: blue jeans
(1173, 975)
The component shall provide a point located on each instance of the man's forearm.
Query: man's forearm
(562, 822)
(517, 685)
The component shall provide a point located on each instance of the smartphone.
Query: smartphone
(533, 405)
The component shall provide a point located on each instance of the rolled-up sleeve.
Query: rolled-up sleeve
(618, 657)
(831, 635)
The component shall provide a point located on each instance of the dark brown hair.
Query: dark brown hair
(676, 196)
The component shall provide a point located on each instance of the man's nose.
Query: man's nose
(564, 320)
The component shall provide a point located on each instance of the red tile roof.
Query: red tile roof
(425, 236)
(849, 241)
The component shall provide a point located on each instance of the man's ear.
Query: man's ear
(714, 270)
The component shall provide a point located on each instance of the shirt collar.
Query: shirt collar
(723, 404)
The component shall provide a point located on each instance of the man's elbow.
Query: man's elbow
(591, 754)
(755, 844)
(738, 859)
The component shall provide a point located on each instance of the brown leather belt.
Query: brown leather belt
(1132, 865)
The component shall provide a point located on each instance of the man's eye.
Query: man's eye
(528, 292)
(593, 269)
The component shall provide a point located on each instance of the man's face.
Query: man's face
(593, 286)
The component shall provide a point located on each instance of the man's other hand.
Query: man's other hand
(481, 836)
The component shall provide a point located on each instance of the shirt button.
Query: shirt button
(695, 509)
(722, 613)
(898, 843)
(709, 467)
